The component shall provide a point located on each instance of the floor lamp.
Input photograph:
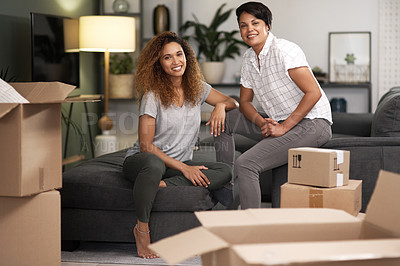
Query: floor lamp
(106, 34)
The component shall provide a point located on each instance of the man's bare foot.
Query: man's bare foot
(142, 241)
(162, 184)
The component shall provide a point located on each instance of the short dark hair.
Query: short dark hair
(257, 9)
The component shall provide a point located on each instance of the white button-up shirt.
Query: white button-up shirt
(273, 88)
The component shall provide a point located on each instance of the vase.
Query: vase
(338, 105)
(120, 6)
(160, 19)
(213, 71)
(122, 86)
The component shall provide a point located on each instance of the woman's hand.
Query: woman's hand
(195, 175)
(273, 128)
(221, 103)
(217, 120)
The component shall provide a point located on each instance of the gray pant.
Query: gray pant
(146, 170)
(267, 154)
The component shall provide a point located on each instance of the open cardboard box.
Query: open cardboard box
(313, 236)
(31, 139)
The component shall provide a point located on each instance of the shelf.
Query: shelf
(122, 14)
(346, 85)
(84, 98)
(225, 85)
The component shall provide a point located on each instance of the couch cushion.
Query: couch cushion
(99, 184)
(351, 124)
(386, 120)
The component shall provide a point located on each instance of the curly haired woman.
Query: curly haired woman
(170, 93)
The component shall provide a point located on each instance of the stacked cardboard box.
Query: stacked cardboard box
(295, 236)
(319, 178)
(30, 163)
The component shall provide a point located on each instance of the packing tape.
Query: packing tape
(340, 156)
(339, 179)
(315, 198)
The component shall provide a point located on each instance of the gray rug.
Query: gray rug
(114, 253)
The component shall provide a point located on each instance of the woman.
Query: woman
(297, 112)
(171, 91)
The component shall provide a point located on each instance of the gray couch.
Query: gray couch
(97, 202)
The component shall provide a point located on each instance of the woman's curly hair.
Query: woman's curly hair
(150, 77)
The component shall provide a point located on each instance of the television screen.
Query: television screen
(55, 48)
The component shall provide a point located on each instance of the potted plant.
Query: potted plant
(121, 76)
(214, 45)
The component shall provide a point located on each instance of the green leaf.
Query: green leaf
(213, 44)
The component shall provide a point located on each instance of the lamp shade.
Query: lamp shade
(107, 33)
(71, 35)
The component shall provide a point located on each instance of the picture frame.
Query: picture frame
(349, 57)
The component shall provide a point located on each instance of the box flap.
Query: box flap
(318, 252)
(279, 225)
(43, 92)
(271, 216)
(5, 108)
(187, 244)
(383, 209)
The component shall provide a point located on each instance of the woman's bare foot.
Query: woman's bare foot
(162, 184)
(142, 237)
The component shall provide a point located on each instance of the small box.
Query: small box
(347, 198)
(318, 167)
(30, 230)
(31, 139)
(295, 236)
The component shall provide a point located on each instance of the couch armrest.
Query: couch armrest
(352, 124)
(344, 143)
(368, 155)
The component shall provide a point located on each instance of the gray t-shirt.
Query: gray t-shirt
(177, 128)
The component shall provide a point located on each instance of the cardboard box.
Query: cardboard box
(30, 230)
(347, 198)
(318, 167)
(31, 139)
(222, 234)
(332, 253)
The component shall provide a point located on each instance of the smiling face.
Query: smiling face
(173, 60)
(254, 31)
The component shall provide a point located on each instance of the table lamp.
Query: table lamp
(106, 34)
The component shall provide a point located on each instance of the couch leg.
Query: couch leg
(69, 245)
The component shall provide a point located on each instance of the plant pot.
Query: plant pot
(121, 86)
(213, 71)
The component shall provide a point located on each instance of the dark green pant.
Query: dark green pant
(146, 170)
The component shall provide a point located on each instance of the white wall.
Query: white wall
(305, 22)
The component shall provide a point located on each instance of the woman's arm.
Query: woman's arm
(147, 127)
(305, 80)
(247, 108)
(222, 103)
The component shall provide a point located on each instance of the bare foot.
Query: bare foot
(142, 241)
(162, 184)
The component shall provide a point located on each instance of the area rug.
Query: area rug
(114, 253)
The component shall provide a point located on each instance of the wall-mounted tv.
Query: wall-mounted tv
(55, 48)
